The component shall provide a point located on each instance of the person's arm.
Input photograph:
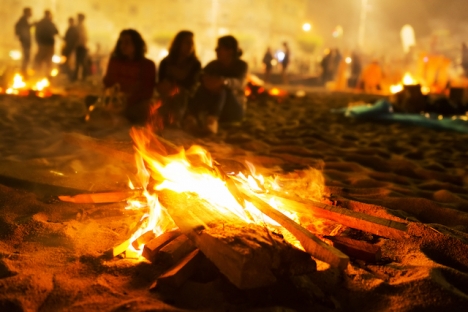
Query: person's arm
(238, 83)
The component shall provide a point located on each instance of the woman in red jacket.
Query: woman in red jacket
(134, 74)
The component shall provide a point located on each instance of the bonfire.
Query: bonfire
(251, 227)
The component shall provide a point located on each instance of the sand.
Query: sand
(51, 252)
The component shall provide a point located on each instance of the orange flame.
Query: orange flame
(194, 171)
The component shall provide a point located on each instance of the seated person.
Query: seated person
(221, 96)
(134, 74)
(178, 77)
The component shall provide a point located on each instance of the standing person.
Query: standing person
(133, 73)
(23, 32)
(285, 63)
(178, 77)
(267, 61)
(81, 50)
(325, 64)
(356, 68)
(221, 96)
(45, 38)
(71, 40)
(464, 58)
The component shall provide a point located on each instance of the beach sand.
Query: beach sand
(51, 251)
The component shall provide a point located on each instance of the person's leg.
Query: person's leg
(233, 107)
(49, 53)
(26, 57)
(206, 102)
(38, 58)
(77, 63)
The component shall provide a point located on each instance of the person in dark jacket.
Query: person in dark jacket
(267, 61)
(285, 63)
(221, 96)
(178, 77)
(45, 38)
(23, 32)
(71, 40)
(133, 73)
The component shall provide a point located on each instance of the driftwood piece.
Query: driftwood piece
(178, 274)
(174, 251)
(98, 198)
(356, 220)
(311, 243)
(152, 248)
(356, 248)
(247, 254)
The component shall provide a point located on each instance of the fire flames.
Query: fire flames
(408, 80)
(22, 88)
(194, 171)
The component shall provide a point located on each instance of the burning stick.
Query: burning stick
(152, 248)
(175, 250)
(356, 249)
(312, 244)
(356, 220)
(98, 198)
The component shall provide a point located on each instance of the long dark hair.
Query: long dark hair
(174, 48)
(138, 42)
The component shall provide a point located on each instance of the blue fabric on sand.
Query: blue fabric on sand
(383, 110)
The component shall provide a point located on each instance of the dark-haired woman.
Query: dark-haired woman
(134, 74)
(221, 96)
(178, 77)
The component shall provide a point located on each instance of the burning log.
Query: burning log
(356, 220)
(143, 240)
(175, 250)
(356, 248)
(311, 243)
(247, 254)
(178, 274)
(99, 198)
(152, 248)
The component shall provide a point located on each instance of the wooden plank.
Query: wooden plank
(353, 219)
(143, 240)
(152, 247)
(178, 274)
(247, 254)
(174, 251)
(98, 198)
(356, 248)
(311, 243)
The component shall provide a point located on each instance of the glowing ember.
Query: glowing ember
(18, 83)
(41, 84)
(23, 88)
(408, 80)
(396, 88)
